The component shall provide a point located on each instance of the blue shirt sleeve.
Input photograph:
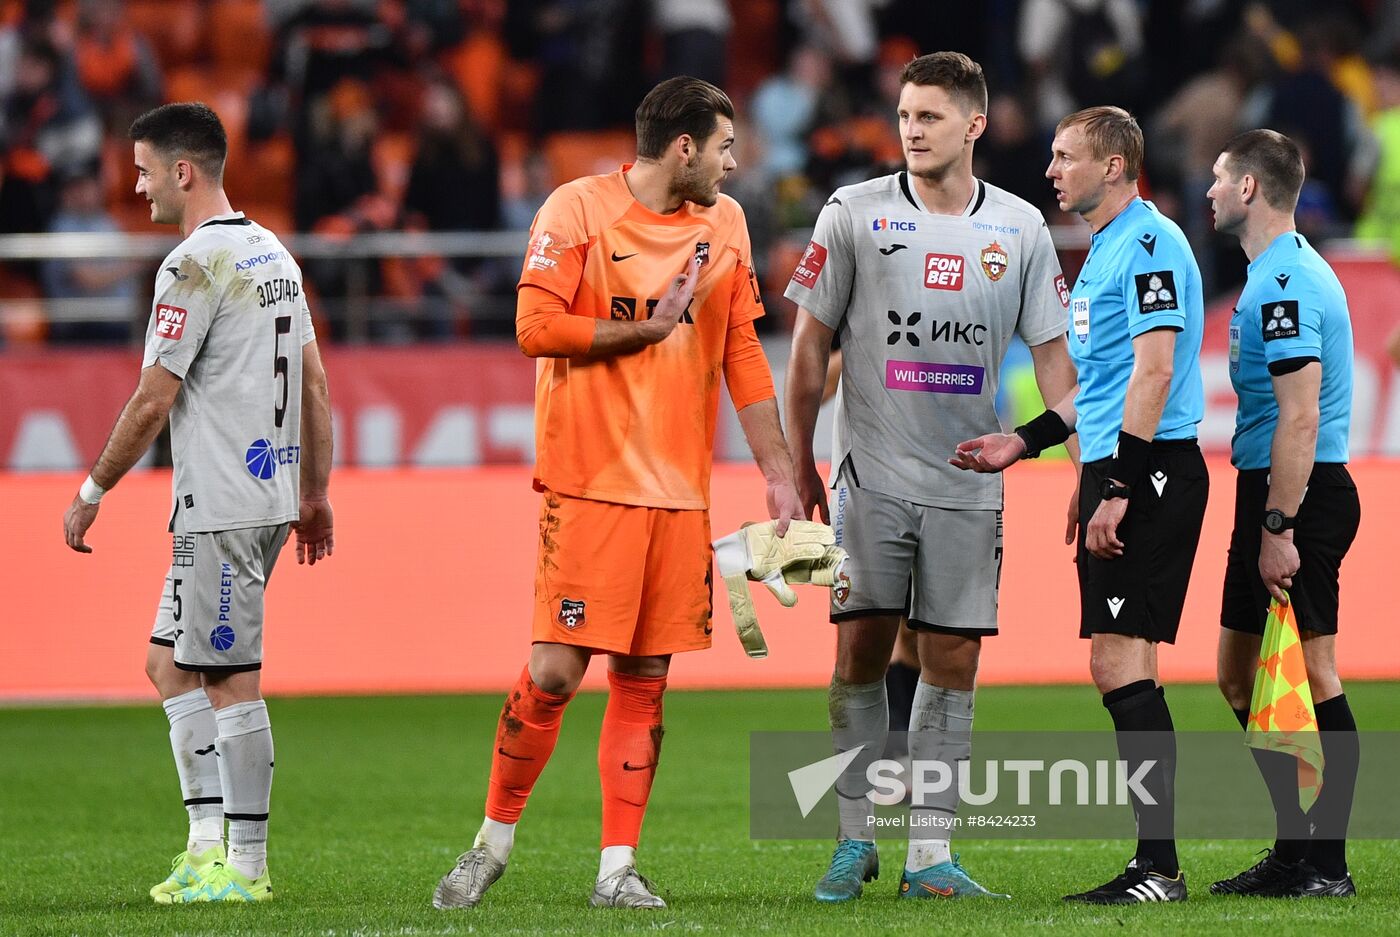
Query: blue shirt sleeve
(1292, 326)
(1154, 283)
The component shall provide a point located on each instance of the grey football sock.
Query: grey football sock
(940, 729)
(192, 735)
(860, 716)
(245, 764)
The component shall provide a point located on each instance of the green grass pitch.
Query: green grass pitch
(375, 797)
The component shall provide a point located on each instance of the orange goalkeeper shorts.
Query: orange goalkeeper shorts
(622, 579)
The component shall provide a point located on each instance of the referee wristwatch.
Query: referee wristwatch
(1110, 489)
(1276, 522)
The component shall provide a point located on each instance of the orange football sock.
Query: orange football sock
(628, 749)
(525, 739)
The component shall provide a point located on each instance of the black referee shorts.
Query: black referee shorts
(1141, 593)
(1327, 523)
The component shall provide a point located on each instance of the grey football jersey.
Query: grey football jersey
(925, 306)
(230, 319)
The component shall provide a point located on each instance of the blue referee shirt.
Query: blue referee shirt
(1292, 308)
(1140, 275)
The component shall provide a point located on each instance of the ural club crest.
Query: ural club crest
(702, 252)
(994, 261)
(571, 614)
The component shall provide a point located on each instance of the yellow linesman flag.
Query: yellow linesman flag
(1281, 714)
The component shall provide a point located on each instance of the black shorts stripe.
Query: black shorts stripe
(255, 817)
(203, 800)
(848, 614)
(916, 625)
(209, 668)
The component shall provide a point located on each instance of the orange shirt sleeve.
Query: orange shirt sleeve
(745, 300)
(746, 367)
(558, 245)
(545, 329)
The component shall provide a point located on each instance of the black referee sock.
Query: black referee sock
(1341, 751)
(1145, 732)
(1280, 773)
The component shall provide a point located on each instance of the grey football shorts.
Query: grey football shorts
(211, 607)
(940, 567)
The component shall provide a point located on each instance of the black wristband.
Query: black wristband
(1129, 463)
(1044, 431)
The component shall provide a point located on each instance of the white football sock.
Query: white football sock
(245, 766)
(498, 838)
(614, 858)
(193, 732)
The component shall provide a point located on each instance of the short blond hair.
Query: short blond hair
(1111, 131)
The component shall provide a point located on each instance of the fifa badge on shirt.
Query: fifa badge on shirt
(1080, 315)
(994, 261)
(702, 252)
(1234, 348)
(1280, 319)
(571, 614)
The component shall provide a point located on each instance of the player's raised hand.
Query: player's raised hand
(315, 531)
(76, 521)
(677, 299)
(990, 453)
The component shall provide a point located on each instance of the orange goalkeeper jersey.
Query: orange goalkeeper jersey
(636, 428)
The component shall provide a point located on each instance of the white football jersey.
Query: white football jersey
(230, 319)
(925, 305)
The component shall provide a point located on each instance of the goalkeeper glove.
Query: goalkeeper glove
(807, 554)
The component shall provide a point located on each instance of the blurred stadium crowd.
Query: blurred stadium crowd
(348, 117)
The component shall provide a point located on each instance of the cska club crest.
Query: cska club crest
(994, 261)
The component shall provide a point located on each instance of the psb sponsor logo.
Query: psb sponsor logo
(994, 261)
(1280, 319)
(571, 614)
(934, 378)
(225, 592)
(1062, 289)
(943, 271)
(222, 637)
(262, 458)
(170, 322)
(810, 266)
(892, 224)
(1156, 292)
(1235, 335)
(1079, 316)
(248, 263)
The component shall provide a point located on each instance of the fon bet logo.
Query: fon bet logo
(170, 322)
(943, 271)
(810, 266)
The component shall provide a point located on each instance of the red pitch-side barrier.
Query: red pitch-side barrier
(429, 590)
